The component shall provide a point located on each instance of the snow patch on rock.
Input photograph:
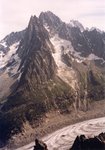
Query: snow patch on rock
(67, 74)
(5, 58)
(3, 43)
(47, 27)
(9, 74)
(93, 57)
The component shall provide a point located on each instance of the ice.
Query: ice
(63, 139)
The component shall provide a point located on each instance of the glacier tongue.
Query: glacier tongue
(67, 74)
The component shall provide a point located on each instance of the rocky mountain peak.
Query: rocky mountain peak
(12, 38)
(96, 29)
(34, 36)
(35, 53)
(53, 72)
(75, 23)
(33, 23)
(35, 26)
(49, 19)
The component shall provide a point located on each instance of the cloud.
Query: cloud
(15, 14)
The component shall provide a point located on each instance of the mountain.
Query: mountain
(50, 66)
(77, 24)
(49, 20)
(9, 62)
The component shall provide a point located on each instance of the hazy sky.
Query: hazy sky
(15, 14)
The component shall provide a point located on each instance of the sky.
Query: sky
(15, 14)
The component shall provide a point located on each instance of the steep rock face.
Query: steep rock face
(9, 63)
(36, 48)
(76, 23)
(96, 85)
(39, 89)
(84, 42)
(97, 42)
(50, 20)
(77, 39)
(10, 39)
(58, 69)
(81, 52)
(37, 65)
(13, 37)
